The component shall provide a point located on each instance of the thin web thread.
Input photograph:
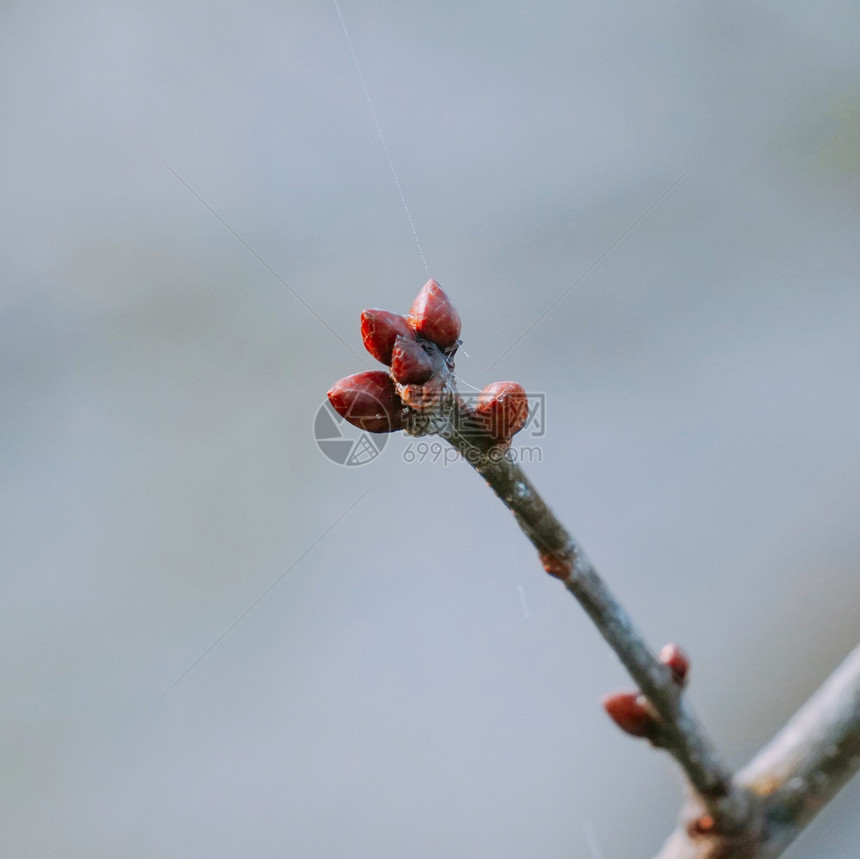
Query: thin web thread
(262, 261)
(467, 384)
(381, 135)
(589, 832)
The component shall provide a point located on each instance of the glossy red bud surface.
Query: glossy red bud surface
(379, 330)
(629, 710)
(433, 316)
(677, 662)
(368, 401)
(503, 408)
(410, 363)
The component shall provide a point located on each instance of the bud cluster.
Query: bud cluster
(419, 349)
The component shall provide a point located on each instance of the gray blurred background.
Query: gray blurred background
(410, 684)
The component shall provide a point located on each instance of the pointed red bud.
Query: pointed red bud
(631, 712)
(433, 316)
(368, 401)
(677, 662)
(503, 408)
(410, 363)
(379, 330)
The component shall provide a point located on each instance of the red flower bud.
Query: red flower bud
(631, 712)
(503, 408)
(410, 363)
(677, 662)
(368, 401)
(433, 316)
(379, 330)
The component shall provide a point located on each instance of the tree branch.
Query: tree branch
(792, 778)
(756, 813)
(678, 731)
(811, 758)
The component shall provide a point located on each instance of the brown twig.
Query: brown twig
(761, 810)
(755, 814)
(791, 779)
(678, 730)
(811, 758)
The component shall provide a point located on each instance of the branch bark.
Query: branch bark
(755, 814)
(679, 732)
(793, 777)
(811, 758)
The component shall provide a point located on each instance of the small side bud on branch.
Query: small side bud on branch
(557, 565)
(368, 401)
(434, 317)
(503, 408)
(677, 662)
(379, 330)
(703, 825)
(632, 713)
